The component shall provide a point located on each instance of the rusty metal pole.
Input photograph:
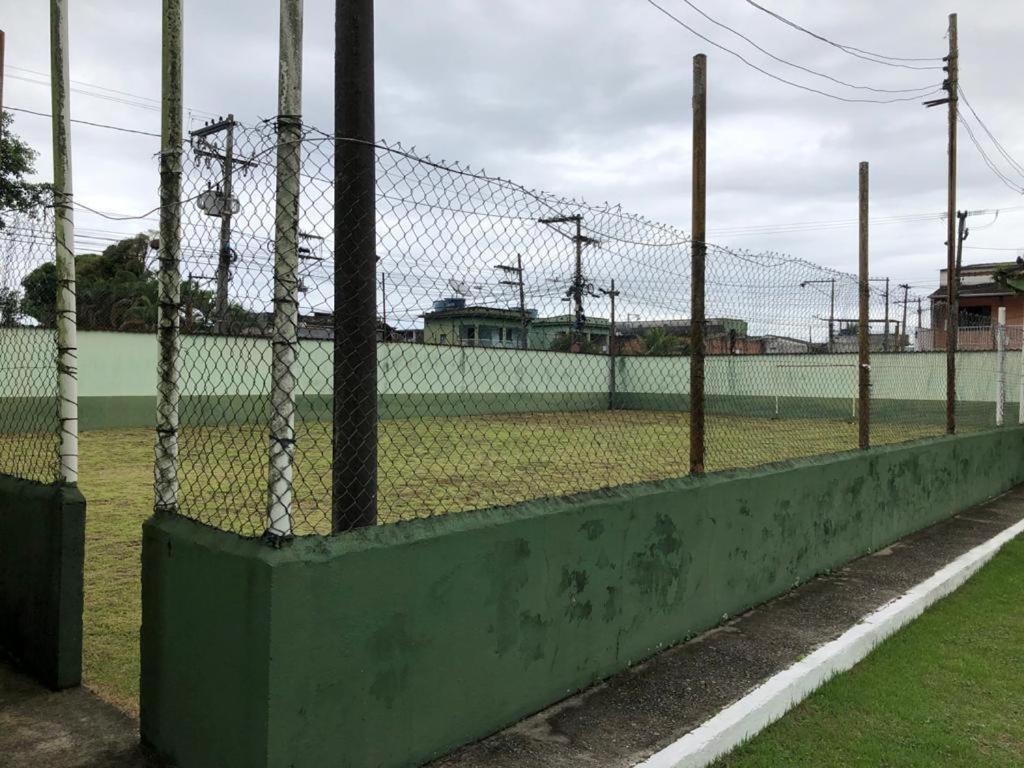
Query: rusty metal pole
(863, 330)
(169, 280)
(952, 320)
(285, 341)
(698, 256)
(64, 221)
(354, 469)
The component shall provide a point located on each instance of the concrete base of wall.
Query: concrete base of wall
(124, 412)
(396, 644)
(42, 549)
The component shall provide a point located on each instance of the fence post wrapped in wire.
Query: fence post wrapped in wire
(169, 344)
(286, 281)
(63, 198)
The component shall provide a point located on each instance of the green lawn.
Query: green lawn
(427, 466)
(945, 691)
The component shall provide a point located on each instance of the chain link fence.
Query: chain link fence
(29, 416)
(527, 345)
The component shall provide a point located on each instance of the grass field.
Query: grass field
(427, 466)
(945, 691)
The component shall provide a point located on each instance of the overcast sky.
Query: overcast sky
(587, 98)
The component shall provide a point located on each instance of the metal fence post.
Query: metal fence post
(863, 338)
(166, 465)
(64, 224)
(1001, 367)
(1020, 392)
(354, 465)
(285, 342)
(698, 234)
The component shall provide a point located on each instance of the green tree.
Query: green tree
(17, 160)
(40, 294)
(118, 292)
(10, 306)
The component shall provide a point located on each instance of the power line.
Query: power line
(1006, 180)
(860, 53)
(773, 76)
(1002, 150)
(801, 67)
(815, 226)
(112, 94)
(86, 122)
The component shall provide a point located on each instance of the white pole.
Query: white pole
(280, 489)
(64, 221)
(1020, 393)
(169, 280)
(1001, 367)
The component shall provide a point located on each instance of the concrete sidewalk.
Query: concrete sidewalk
(617, 723)
(629, 717)
(71, 729)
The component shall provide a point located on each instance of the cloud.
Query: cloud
(586, 98)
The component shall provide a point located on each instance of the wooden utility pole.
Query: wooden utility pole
(906, 300)
(863, 340)
(225, 255)
(698, 254)
(951, 86)
(224, 205)
(579, 286)
(520, 284)
(612, 294)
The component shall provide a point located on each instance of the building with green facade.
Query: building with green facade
(453, 323)
(555, 332)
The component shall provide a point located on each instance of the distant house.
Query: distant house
(722, 335)
(554, 332)
(452, 322)
(847, 339)
(980, 299)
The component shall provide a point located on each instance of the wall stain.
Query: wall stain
(509, 574)
(390, 647)
(657, 569)
(593, 529)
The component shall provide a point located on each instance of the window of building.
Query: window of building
(976, 317)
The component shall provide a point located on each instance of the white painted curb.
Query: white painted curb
(772, 699)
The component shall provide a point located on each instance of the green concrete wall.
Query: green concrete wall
(226, 380)
(42, 548)
(395, 644)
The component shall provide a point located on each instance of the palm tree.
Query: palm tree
(658, 341)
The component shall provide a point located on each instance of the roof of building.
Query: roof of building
(980, 289)
(568, 320)
(490, 313)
